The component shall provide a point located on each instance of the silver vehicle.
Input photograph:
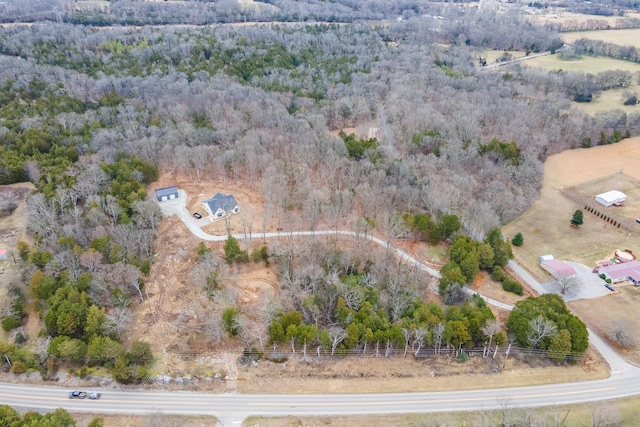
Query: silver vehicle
(94, 396)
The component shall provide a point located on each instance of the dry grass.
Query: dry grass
(556, 15)
(620, 37)
(576, 415)
(619, 308)
(546, 228)
(396, 375)
(608, 100)
(153, 420)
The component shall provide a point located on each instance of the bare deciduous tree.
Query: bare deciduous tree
(622, 332)
(568, 282)
(606, 416)
(337, 335)
(540, 328)
(490, 328)
(438, 333)
(419, 336)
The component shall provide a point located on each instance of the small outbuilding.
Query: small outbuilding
(167, 193)
(221, 205)
(557, 268)
(611, 198)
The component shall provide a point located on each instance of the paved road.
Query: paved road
(231, 409)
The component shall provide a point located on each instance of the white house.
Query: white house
(167, 193)
(221, 205)
(611, 197)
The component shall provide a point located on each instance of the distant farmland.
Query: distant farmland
(586, 64)
(619, 37)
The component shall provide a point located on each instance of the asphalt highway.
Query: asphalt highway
(231, 409)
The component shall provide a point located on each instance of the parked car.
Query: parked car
(94, 396)
(77, 394)
(608, 286)
(197, 215)
(638, 220)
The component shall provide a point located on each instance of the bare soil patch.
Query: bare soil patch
(13, 228)
(546, 229)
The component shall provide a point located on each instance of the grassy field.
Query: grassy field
(626, 412)
(604, 101)
(609, 100)
(585, 64)
(491, 55)
(621, 37)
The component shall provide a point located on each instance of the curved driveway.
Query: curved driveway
(233, 408)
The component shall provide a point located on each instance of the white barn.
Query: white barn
(611, 197)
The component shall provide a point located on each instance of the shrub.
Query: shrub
(18, 367)
(10, 322)
(512, 286)
(517, 240)
(497, 274)
(463, 357)
(19, 338)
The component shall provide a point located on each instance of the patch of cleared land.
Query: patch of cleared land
(586, 64)
(554, 15)
(492, 55)
(620, 37)
(546, 229)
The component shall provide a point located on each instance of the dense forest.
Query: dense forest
(90, 114)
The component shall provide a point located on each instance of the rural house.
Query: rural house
(620, 272)
(611, 198)
(557, 268)
(221, 205)
(167, 193)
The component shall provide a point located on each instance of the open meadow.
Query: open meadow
(620, 37)
(603, 101)
(585, 64)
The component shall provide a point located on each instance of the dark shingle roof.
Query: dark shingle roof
(160, 192)
(221, 201)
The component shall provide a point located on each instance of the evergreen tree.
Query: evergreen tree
(576, 220)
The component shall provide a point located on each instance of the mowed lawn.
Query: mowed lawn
(620, 37)
(546, 228)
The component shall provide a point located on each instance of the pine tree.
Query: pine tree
(576, 220)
